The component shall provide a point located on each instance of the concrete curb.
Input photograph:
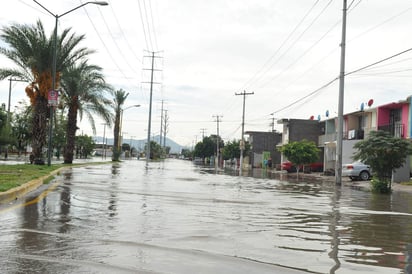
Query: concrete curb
(20, 191)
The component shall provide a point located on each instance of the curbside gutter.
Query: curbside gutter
(20, 191)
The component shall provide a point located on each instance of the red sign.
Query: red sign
(53, 97)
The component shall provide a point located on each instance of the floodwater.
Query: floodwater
(175, 217)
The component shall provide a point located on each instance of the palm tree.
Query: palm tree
(120, 97)
(83, 92)
(32, 52)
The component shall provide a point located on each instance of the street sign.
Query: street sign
(53, 98)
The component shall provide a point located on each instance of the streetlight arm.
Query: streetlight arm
(101, 3)
(134, 106)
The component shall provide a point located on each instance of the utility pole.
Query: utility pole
(339, 142)
(203, 130)
(130, 145)
(218, 119)
(166, 124)
(152, 69)
(161, 125)
(242, 141)
(273, 122)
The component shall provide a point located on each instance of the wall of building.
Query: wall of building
(264, 141)
(304, 129)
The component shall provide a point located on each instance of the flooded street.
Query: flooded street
(175, 217)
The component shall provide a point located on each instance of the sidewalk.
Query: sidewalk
(361, 185)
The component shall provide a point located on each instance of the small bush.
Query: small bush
(380, 186)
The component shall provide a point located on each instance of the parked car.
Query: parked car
(290, 167)
(357, 171)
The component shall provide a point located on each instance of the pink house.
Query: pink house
(394, 118)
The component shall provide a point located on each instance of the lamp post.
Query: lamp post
(8, 106)
(121, 122)
(56, 16)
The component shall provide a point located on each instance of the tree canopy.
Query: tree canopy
(384, 153)
(300, 152)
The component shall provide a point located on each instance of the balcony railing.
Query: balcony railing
(326, 139)
(359, 134)
(396, 130)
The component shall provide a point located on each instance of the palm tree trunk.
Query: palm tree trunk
(39, 129)
(70, 135)
(116, 145)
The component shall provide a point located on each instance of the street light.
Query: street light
(56, 16)
(121, 124)
(8, 106)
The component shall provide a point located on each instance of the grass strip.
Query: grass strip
(12, 176)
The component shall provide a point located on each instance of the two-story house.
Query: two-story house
(356, 127)
(298, 129)
(392, 117)
(263, 142)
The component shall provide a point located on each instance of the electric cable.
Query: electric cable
(143, 27)
(105, 46)
(299, 37)
(123, 34)
(280, 47)
(115, 43)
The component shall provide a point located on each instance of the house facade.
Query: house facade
(393, 118)
(298, 129)
(263, 143)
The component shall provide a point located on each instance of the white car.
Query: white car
(357, 171)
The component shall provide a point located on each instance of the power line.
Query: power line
(306, 96)
(115, 43)
(105, 46)
(123, 35)
(378, 62)
(153, 25)
(143, 27)
(148, 26)
(346, 74)
(294, 43)
(279, 48)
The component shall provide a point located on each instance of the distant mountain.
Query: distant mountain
(139, 144)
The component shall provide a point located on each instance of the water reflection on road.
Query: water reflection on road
(174, 217)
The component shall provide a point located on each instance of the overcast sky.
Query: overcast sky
(282, 50)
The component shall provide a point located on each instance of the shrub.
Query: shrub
(380, 186)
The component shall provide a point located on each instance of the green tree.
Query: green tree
(300, 152)
(187, 153)
(232, 150)
(83, 93)
(84, 146)
(119, 99)
(29, 48)
(155, 150)
(125, 147)
(384, 153)
(6, 137)
(207, 147)
(21, 125)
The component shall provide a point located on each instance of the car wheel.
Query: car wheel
(364, 175)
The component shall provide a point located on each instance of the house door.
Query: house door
(395, 122)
